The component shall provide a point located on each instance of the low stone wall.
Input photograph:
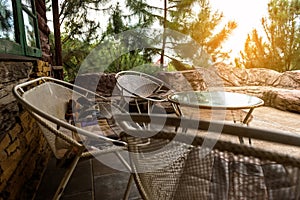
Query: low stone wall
(238, 77)
(101, 83)
(278, 90)
(280, 98)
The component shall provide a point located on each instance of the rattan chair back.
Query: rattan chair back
(177, 158)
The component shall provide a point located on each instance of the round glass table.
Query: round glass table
(216, 100)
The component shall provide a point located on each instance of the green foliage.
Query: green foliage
(142, 12)
(74, 51)
(76, 18)
(81, 34)
(279, 47)
(179, 66)
(116, 23)
(180, 17)
(6, 20)
(126, 62)
(148, 68)
(203, 30)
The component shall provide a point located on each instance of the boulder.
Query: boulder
(280, 98)
(283, 99)
(233, 76)
(289, 79)
(278, 90)
(262, 77)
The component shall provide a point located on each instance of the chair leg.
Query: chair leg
(130, 180)
(241, 140)
(66, 178)
(123, 161)
(128, 188)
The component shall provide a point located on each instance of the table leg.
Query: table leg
(177, 110)
(241, 140)
(246, 121)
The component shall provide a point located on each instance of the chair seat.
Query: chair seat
(74, 125)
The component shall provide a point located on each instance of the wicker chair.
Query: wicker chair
(143, 90)
(176, 158)
(46, 99)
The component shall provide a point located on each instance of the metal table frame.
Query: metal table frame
(216, 100)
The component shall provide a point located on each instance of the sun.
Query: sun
(247, 14)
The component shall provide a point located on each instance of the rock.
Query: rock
(176, 80)
(278, 90)
(280, 98)
(101, 83)
(285, 99)
(290, 79)
(262, 77)
(12, 71)
(231, 76)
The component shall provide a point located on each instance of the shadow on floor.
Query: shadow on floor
(90, 180)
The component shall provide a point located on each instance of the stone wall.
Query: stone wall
(23, 150)
(102, 83)
(44, 30)
(278, 90)
(237, 77)
(24, 154)
(10, 74)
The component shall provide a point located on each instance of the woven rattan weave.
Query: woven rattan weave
(177, 158)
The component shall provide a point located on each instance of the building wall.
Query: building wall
(23, 149)
(44, 30)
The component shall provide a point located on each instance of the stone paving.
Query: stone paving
(274, 119)
(263, 117)
(94, 180)
(271, 118)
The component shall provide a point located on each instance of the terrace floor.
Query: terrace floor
(94, 180)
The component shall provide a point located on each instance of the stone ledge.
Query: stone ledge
(286, 99)
(233, 76)
(278, 90)
(280, 98)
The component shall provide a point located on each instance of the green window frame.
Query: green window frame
(21, 36)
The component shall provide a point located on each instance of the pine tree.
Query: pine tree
(279, 47)
(179, 16)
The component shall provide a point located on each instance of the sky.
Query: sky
(247, 13)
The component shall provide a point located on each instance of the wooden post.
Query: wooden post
(162, 56)
(57, 39)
